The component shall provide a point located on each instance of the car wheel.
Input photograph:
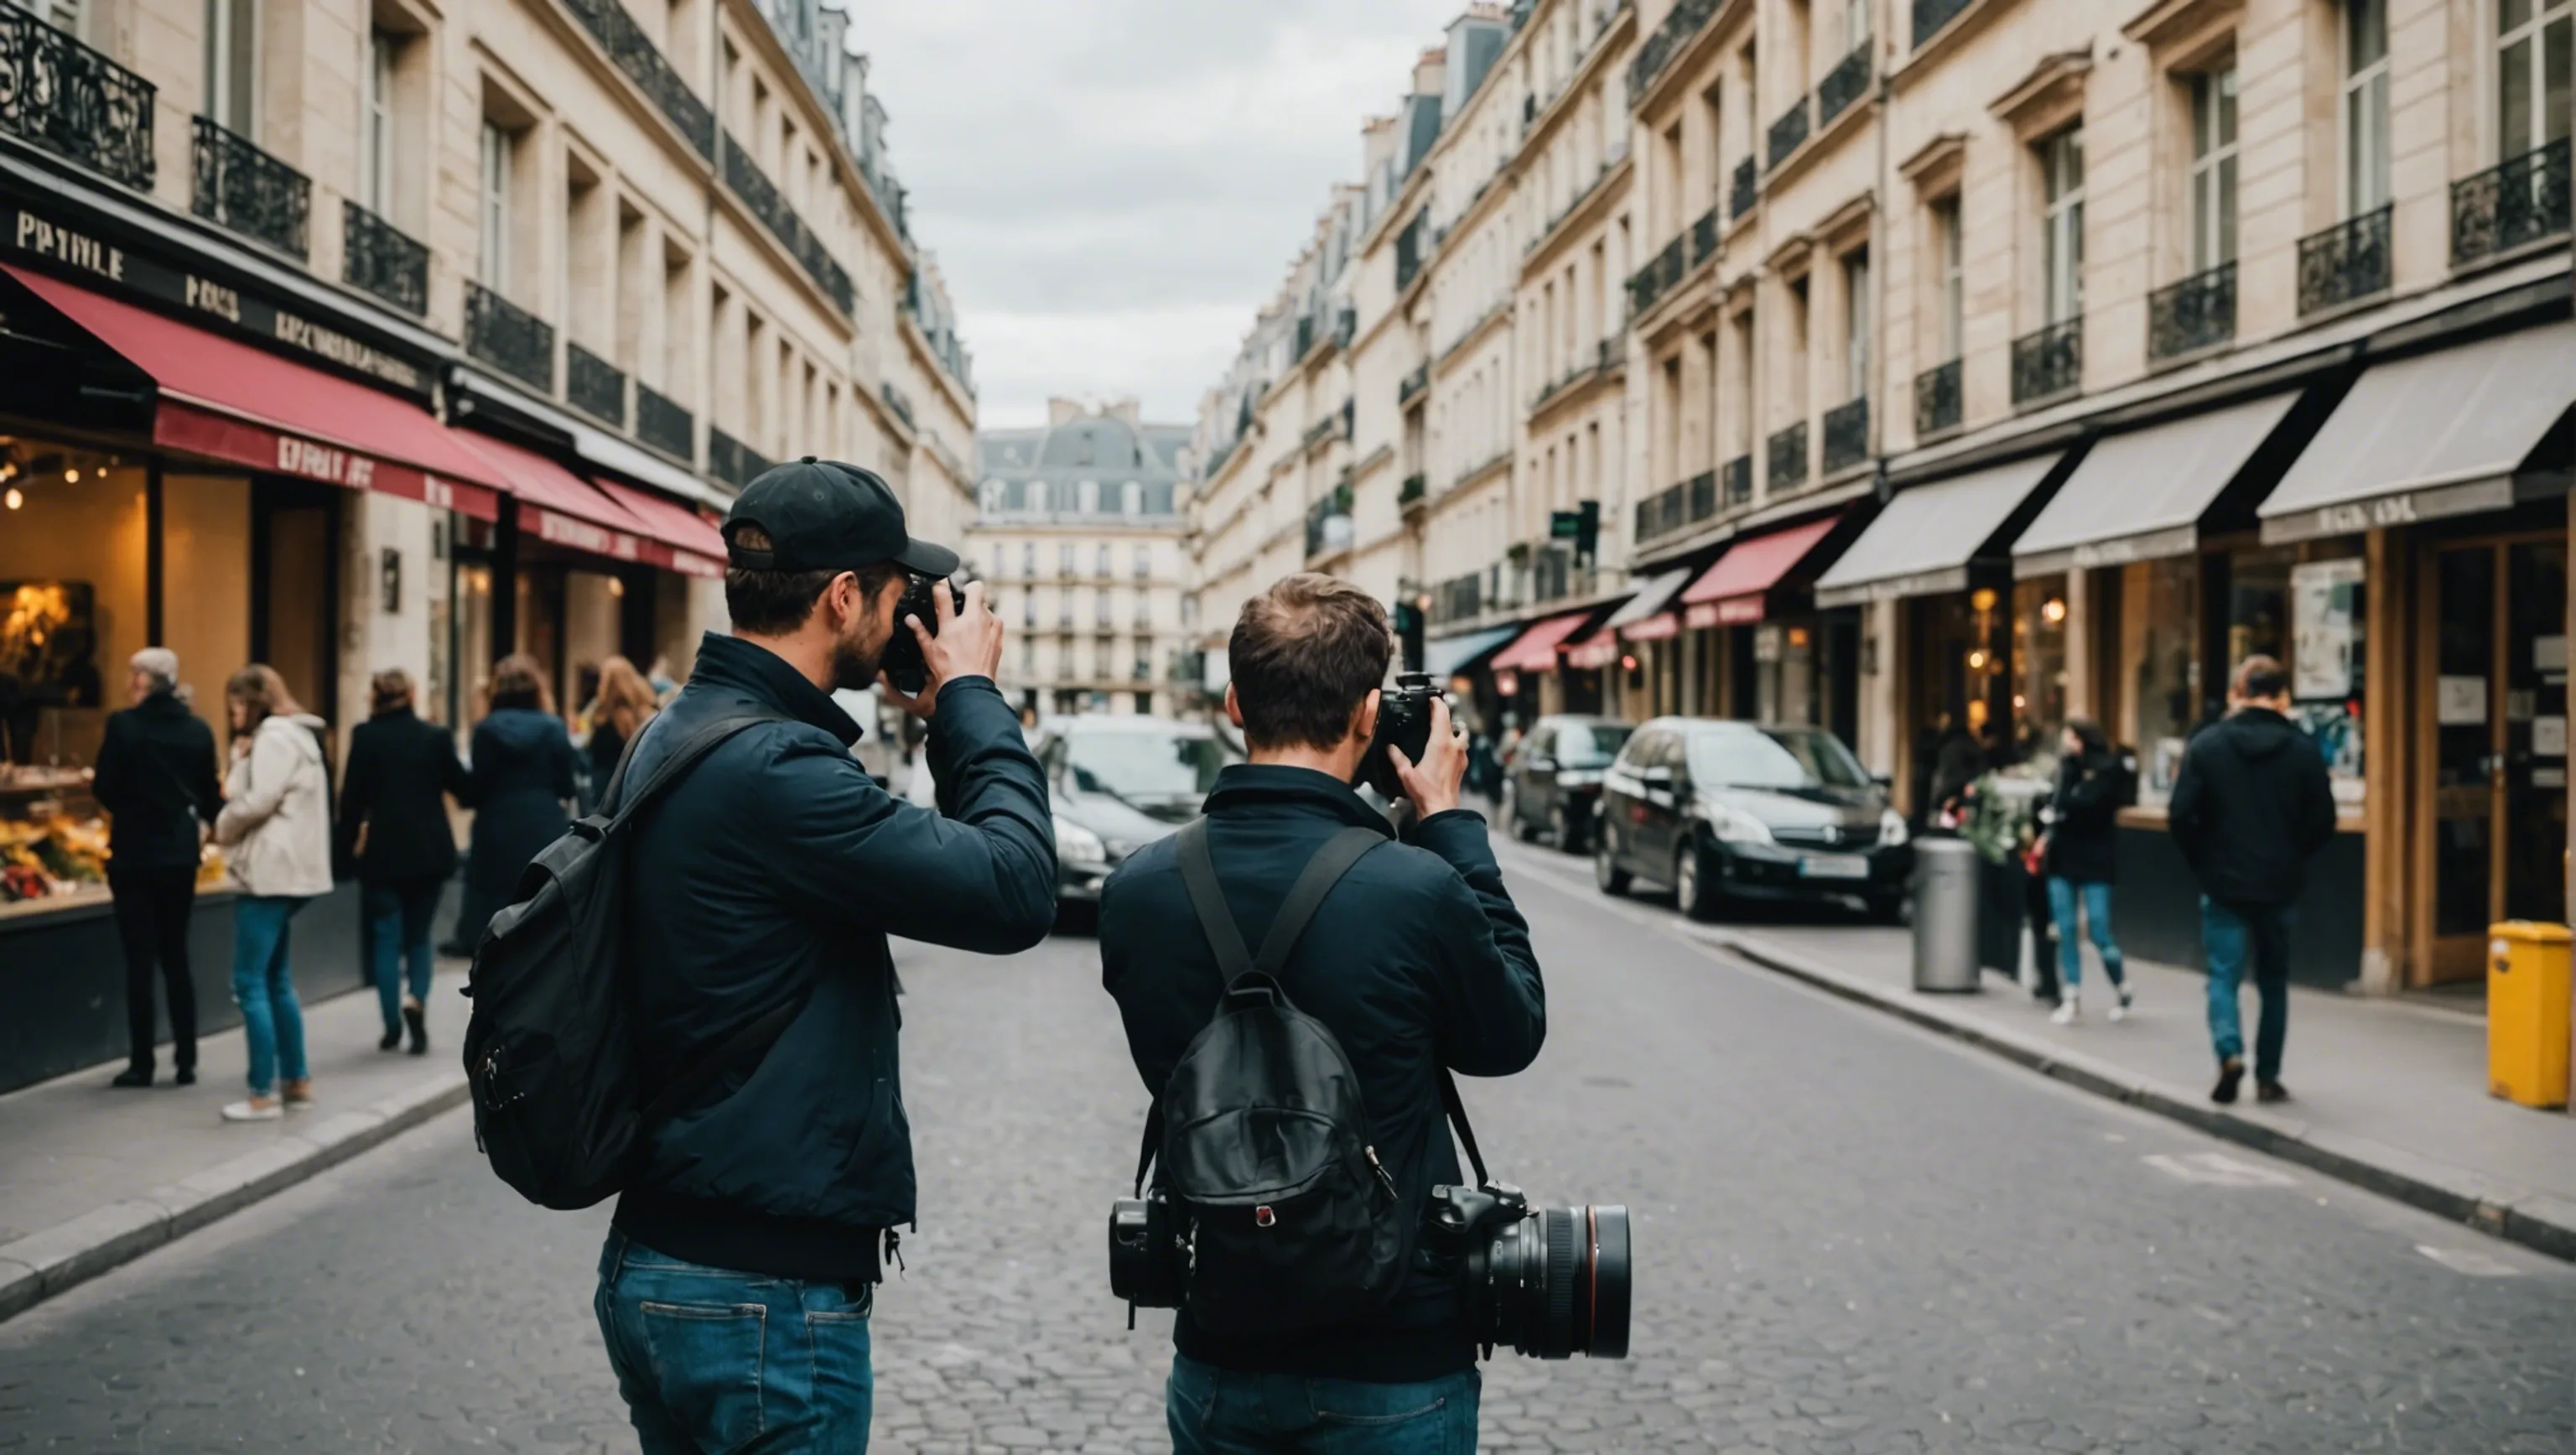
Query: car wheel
(1560, 829)
(1691, 889)
(1606, 873)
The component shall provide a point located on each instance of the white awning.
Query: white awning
(1653, 595)
(2140, 496)
(1446, 656)
(1925, 539)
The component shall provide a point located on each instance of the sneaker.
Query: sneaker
(257, 1109)
(391, 1040)
(133, 1076)
(2230, 1072)
(2068, 1012)
(2120, 1006)
(186, 1076)
(2271, 1091)
(416, 1016)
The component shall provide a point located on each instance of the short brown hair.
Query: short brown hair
(774, 603)
(1304, 654)
(258, 688)
(518, 681)
(2260, 678)
(389, 689)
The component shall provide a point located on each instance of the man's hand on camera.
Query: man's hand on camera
(967, 643)
(1432, 785)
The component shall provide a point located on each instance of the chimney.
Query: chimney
(1062, 411)
(1125, 410)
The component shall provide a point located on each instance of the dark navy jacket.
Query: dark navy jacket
(1416, 960)
(156, 775)
(773, 874)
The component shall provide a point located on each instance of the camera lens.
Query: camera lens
(1556, 1284)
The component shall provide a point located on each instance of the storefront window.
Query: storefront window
(2327, 664)
(2039, 666)
(2258, 606)
(2159, 610)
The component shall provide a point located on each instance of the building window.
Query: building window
(2532, 73)
(1040, 497)
(2061, 167)
(1131, 498)
(1856, 325)
(1064, 559)
(376, 125)
(1029, 559)
(2213, 168)
(990, 497)
(1100, 561)
(232, 65)
(492, 266)
(1086, 496)
(1144, 560)
(1949, 274)
(1029, 607)
(2365, 106)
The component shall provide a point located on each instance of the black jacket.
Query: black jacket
(2251, 807)
(771, 875)
(2084, 814)
(522, 775)
(400, 771)
(1416, 959)
(156, 775)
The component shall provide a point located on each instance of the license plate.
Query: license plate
(1833, 866)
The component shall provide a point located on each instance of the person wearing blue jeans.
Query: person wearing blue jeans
(264, 988)
(398, 919)
(2235, 937)
(1216, 1411)
(2081, 857)
(276, 831)
(395, 835)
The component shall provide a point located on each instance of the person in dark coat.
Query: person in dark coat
(2252, 805)
(156, 778)
(2079, 854)
(520, 787)
(394, 830)
(625, 702)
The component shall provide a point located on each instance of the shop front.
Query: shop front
(1527, 672)
(1461, 665)
(1772, 653)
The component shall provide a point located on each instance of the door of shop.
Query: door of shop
(2493, 789)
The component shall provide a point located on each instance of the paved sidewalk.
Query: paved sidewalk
(92, 1176)
(2388, 1094)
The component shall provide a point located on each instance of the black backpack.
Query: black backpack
(1292, 1222)
(560, 1100)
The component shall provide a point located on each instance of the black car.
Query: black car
(1553, 779)
(1742, 811)
(1119, 783)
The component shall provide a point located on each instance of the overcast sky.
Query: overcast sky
(1114, 186)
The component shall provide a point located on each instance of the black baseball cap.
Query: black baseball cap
(821, 515)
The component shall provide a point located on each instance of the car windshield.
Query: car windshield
(1146, 766)
(1765, 758)
(1589, 745)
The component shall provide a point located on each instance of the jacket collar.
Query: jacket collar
(730, 664)
(1298, 792)
(163, 704)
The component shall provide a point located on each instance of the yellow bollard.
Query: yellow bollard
(2527, 1012)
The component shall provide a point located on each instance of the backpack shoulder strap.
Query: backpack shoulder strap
(700, 742)
(1325, 870)
(1207, 896)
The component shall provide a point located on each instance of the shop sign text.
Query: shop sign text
(35, 235)
(327, 463)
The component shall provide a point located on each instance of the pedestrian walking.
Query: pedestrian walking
(2251, 806)
(625, 703)
(156, 779)
(276, 831)
(394, 830)
(520, 786)
(2079, 854)
(739, 1272)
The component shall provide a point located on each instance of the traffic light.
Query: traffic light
(1581, 525)
(1408, 633)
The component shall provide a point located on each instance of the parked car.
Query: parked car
(1726, 811)
(1553, 780)
(1119, 783)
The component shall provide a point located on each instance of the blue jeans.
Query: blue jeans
(1220, 1412)
(2063, 894)
(264, 988)
(2230, 935)
(398, 918)
(711, 1359)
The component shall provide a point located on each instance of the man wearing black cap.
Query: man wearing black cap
(735, 1287)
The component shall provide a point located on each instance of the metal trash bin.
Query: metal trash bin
(1946, 885)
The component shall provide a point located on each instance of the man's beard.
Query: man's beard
(854, 664)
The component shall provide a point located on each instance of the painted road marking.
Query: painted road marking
(2469, 1261)
(2217, 1169)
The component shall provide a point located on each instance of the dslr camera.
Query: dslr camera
(1403, 721)
(903, 663)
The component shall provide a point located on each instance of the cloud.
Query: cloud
(1113, 187)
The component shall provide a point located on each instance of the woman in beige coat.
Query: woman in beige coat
(276, 832)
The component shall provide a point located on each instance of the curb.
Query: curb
(2537, 1221)
(45, 1263)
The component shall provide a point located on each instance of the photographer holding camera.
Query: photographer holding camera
(1383, 967)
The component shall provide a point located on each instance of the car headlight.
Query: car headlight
(1735, 826)
(1585, 779)
(1075, 844)
(1891, 829)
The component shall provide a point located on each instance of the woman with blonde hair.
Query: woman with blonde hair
(519, 785)
(625, 703)
(276, 831)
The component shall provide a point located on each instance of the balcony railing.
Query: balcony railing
(1846, 83)
(1657, 50)
(2193, 315)
(663, 424)
(1735, 482)
(1413, 385)
(2048, 362)
(1703, 238)
(1459, 597)
(896, 400)
(379, 258)
(1413, 489)
(1846, 435)
(1937, 402)
(1409, 251)
(2511, 206)
(1328, 523)
(1788, 458)
(61, 95)
(1931, 15)
(635, 54)
(753, 186)
(1746, 191)
(243, 188)
(1703, 496)
(1661, 275)
(1789, 132)
(509, 338)
(2344, 263)
(732, 461)
(1663, 512)
(595, 386)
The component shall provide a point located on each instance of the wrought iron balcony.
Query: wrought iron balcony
(663, 424)
(509, 338)
(243, 188)
(732, 461)
(1788, 458)
(1413, 489)
(595, 386)
(1703, 238)
(2346, 262)
(1931, 15)
(1413, 385)
(2196, 314)
(632, 52)
(1410, 253)
(1789, 132)
(1663, 512)
(1937, 401)
(1643, 286)
(2048, 362)
(2508, 207)
(378, 257)
(1654, 53)
(1328, 524)
(1846, 83)
(1846, 435)
(1735, 482)
(753, 186)
(1703, 495)
(1746, 191)
(896, 400)
(1674, 260)
(73, 101)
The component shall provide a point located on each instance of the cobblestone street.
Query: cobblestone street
(1851, 1237)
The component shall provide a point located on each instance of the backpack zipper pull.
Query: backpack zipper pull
(894, 1250)
(1380, 1168)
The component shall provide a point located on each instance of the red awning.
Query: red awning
(227, 400)
(697, 548)
(1599, 649)
(1731, 592)
(1535, 650)
(561, 508)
